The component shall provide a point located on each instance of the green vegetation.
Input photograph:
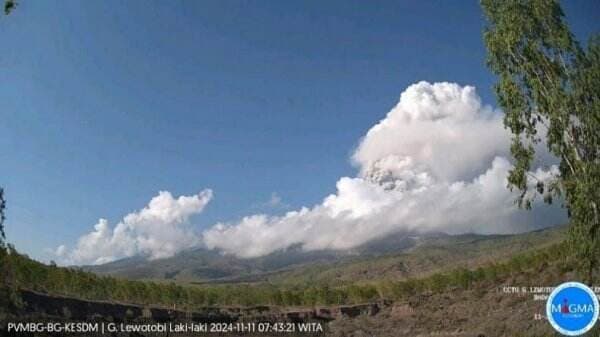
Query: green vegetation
(54, 280)
(9, 6)
(2, 217)
(9, 298)
(549, 89)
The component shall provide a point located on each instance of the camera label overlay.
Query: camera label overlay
(572, 308)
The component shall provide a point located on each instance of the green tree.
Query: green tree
(2, 218)
(549, 89)
(9, 5)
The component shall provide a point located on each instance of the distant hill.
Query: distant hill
(396, 257)
(210, 265)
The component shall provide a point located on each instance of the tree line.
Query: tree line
(51, 279)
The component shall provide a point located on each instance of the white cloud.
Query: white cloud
(274, 200)
(60, 251)
(437, 161)
(440, 128)
(158, 230)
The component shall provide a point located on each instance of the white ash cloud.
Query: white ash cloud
(436, 162)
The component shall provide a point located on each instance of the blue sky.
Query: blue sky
(104, 103)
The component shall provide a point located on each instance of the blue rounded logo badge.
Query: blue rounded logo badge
(572, 308)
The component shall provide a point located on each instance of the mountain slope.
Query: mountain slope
(397, 256)
(461, 302)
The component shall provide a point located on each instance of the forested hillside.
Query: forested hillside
(32, 275)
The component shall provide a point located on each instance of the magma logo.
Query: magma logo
(572, 308)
